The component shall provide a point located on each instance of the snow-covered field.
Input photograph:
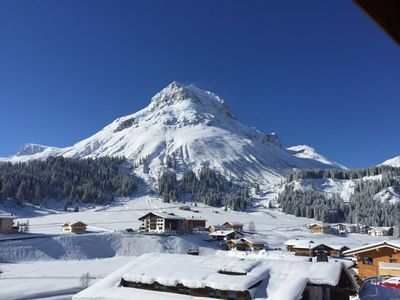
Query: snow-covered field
(52, 265)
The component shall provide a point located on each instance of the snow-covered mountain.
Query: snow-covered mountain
(189, 126)
(394, 162)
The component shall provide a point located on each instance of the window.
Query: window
(368, 261)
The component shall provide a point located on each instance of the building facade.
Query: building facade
(161, 223)
(377, 259)
(7, 224)
(77, 227)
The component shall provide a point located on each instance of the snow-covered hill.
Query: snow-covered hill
(189, 126)
(394, 162)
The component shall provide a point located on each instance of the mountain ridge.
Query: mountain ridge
(193, 127)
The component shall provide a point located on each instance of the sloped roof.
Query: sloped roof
(254, 241)
(281, 279)
(163, 215)
(7, 216)
(395, 244)
(222, 232)
(234, 223)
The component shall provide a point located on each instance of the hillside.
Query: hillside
(369, 196)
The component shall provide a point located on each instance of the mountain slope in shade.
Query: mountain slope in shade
(189, 126)
(394, 162)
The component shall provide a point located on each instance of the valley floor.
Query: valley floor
(50, 264)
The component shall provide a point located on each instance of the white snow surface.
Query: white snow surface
(194, 126)
(394, 162)
(307, 152)
(280, 279)
(52, 257)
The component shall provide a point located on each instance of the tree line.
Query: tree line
(86, 180)
(342, 174)
(363, 207)
(208, 186)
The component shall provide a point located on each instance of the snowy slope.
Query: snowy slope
(193, 126)
(307, 152)
(394, 162)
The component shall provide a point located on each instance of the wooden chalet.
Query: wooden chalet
(76, 227)
(245, 244)
(378, 259)
(310, 248)
(380, 231)
(219, 277)
(213, 228)
(254, 244)
(318, 228)
(225, 235)
(236, 244)
(237, 226)
(7, 224)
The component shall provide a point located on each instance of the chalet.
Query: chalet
(378, 259)
(237, 226)
(380, 231)
(290, 244)
(254, 244)
(213, 228)
(225, 235)
(7, 224)
(245, 244)
(337, 250)
(195, 224)
(76, 227)
(309, 248)
(236, 244)
(318, 228)
(177, 276)
(162, 223)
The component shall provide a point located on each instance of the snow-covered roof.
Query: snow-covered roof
(222, 232)
(309, 244)
(236, 241)
(163, 215)
(254, 241)
(234, 223)
(73, 223)
(11, 217)
(280, 279)
(389, 243)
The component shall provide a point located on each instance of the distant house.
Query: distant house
(76, 227)
(213, 228)
(318, 228)
(380, 231)
(237, 226)
(225, 235)
(310, 248)
(194, 224)
(378, 259)
(162, 223)
(237, 244)
(337, 250)
(341, 228)
(254, 244)
(245, 244)
(7, 224)
(219, 277)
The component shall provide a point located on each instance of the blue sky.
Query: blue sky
(316, 72)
